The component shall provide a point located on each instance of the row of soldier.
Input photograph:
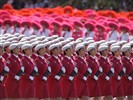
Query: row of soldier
(75, 29)
(53, 68)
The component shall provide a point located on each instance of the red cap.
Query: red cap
(100, 26)
(16, 21)
(56, 23)
(123, 27)
(65, 24)
(89, 24)
(111, 24)
(36, 24)
(78, 23)
(7, 21)
(26, 22)
(45, 22)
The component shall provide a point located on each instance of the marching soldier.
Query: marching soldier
(127, 80)
(108, 71)
(7, 50)
(56, 73)
(14, 75)
(117, 88)
(27, 81)
(93, 81)
(41, 80)
(83, 73)
(3, 70)
(68, 82)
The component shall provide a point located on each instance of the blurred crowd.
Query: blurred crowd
(117, 5)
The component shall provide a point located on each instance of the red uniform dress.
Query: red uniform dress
(27, 85)
(77, 34)
(34, 56)
(41, 85)
(5, 56)
(117, 89)
(81, 84)
(46, 56)
(93, 84)
(13, 85)
(105, 85)
(2, 84)
(54, 84)
(68, 86)
(100, 36)
(127, 84)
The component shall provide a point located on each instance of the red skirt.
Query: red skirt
(54, 87)
(41, 88)
(27, 88)
(105, 87)
(127, 86)
(68, 88)
(81, 87)
(117, 88)
(2, 91)
(12, 87)
(94, 88)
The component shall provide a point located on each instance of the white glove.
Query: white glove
(89, 70)
(129, 78)
(124, 69)
(36, 69)
(112, 69)
(49, 69)
(107, 78)
(31, 78)
(84, 78)
(76, 69)
(118, 77)
(95, 77)
(22, 68)
(6, 69)
(57, 77)
(44, 78)
(63, 69)
(1, 78)
(17, 77)
(100, 69)
(71, 78)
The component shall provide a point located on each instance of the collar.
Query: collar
(68, 57)
(55, 56)
(92, 57)
(15, 55)
(0, 57)
(104, 57)
(127, 57)
(47, 54)
(41, 57)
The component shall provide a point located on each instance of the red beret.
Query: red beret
(26, 22)
(56, 23)
(7, 21)
(45, 22)
(16, 21)
(36, 24)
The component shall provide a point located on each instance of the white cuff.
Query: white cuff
(6, 69)
(84, 78)
(76, 69)
(36, 69)
(107, 78)
(17, 77)
(22, 68)
(95, 77)
(71, 78)
(49, 69)
(31, 78)
(118, 77)
(100, 69)
(1, 78)
(89, 70)
(129, 78)
(44, 78)
(63, 69)
(112, 69)
(124, 69)
(57, 77)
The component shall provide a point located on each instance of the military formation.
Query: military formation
(54, 68)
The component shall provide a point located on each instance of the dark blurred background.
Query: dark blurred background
(117, 5)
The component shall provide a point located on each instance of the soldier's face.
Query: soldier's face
(16, 51)
(28, 51)
(42, 52)
(1, 51)
(128, 52)
(55, 51)
(69, 51)
(7, 49)
(105, 52)
(82, 52)
(117, 53)
(93, 52)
